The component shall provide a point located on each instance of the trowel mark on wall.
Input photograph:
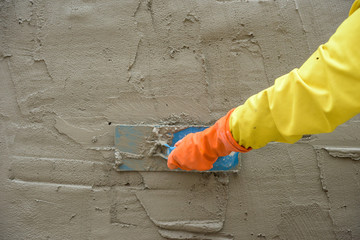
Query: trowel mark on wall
(30, 72)
(180, 235)
(90, 137)
(70, 172)
(125, 209)
(33, 83)
(306, 222)
(200, 207)
(340, 180)
(150, 72)
(246, 46)
(149, 69)
(344, 152)
(168, 109)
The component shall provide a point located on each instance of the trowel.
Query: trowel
(147, 147)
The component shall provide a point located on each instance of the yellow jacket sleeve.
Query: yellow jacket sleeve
(322, 94)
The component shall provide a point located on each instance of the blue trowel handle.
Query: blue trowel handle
(169, 149)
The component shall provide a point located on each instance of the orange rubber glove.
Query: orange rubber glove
(199, 151)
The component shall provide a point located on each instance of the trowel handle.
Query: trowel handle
(169, 149)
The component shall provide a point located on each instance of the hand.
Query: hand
(199, 151)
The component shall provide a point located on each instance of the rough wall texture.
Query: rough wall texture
(70, 70)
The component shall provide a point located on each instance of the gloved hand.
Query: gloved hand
(199, 151)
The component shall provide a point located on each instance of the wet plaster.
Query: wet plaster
(70, 71)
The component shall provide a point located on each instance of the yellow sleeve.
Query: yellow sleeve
(322, 94)
(354, 7)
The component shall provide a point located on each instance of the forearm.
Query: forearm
(322, 94)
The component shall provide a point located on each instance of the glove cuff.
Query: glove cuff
(228, 139)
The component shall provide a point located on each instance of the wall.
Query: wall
(71, 70)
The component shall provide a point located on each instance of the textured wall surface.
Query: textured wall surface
(71, 70)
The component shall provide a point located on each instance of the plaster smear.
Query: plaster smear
(71, 70)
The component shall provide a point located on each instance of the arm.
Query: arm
(322, 94)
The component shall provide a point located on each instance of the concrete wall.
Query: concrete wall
(71, 70)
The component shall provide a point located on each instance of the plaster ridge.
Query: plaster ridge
(302, 24)
(202, 59)
(343, 152)
(137, 9)
(263, 62)
(321, 176)
(134, 59)
(6, 76)
(325, 190)
(203, 226)
(42, 60)
(200, 226)
(142, 205)
(150, 9)
(78, 186)
(179, 235)
(52, 159)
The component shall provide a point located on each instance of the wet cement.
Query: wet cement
(71, 70)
